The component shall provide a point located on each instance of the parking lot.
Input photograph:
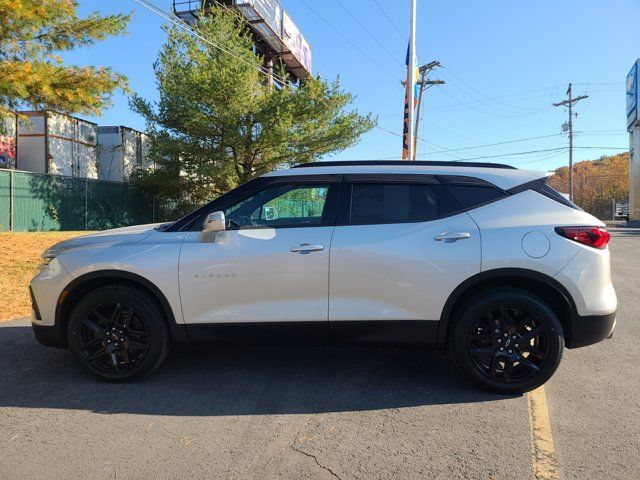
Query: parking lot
(343, 413)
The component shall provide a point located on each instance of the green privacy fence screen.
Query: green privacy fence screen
(36, 202)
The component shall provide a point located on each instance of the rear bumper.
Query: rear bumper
(587, 330)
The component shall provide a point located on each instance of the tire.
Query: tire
(119, 333)
(507, 341)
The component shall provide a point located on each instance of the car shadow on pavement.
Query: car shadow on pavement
(225, 380)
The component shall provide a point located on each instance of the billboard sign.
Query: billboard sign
(295, 42)
(271, 12)
(632, 96)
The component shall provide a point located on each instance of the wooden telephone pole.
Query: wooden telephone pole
(570, 102)
(424, 83)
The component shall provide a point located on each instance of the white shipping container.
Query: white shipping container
(121, 150)
(51, 142)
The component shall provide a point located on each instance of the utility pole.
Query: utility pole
(424, 83)
(570, 102)
(411, 80)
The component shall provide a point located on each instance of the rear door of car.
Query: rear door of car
(401, 245)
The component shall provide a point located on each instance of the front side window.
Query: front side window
(399, 203)
(280, 206)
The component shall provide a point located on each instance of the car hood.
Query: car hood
(106, 237)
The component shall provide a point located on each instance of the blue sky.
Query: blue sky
(504, 63)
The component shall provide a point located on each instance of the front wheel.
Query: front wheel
(118, 333)
(508, 341)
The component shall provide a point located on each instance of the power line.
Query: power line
(184, 26)
(375, 39)
(349, 41)
(506, 142)
(419, 139)
(485, 97)
(391, 22)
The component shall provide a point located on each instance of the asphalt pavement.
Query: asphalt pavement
(298, 413)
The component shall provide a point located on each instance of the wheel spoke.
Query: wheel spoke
(482, 351)
(91, 343)
(527, 337)
(527, 363)
(493, 368)
(126, 317)
(483, 337)
(115, 316)
(508, 368)
(113, 357)
(138, 333)
(97, 354)
(101, 318)
(93, 326)
(136, 346)
(125, 356)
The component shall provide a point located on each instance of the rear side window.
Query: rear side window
(471, 196)
(375, 203)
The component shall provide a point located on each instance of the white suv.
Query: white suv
(484, 259)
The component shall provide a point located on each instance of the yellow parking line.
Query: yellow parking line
(543, 454)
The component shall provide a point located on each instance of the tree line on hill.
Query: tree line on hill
(597, 184)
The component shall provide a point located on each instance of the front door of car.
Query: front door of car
(398, 251)
(270, 265)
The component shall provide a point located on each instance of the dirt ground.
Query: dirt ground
(19, 260)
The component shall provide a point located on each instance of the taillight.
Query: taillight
(596, 237)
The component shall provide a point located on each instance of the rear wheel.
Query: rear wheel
(508, 341)
(118, 333)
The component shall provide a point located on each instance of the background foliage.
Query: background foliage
(218, 122)
(33, 76)
(597, 183)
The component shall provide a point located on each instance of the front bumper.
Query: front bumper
(49, 336)
(587, 330)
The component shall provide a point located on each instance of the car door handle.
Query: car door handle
(306, 248)
(451, 236)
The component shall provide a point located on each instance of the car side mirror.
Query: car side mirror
(214, 222)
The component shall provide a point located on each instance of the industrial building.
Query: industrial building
(120, 151)
(49, 142)
(276, 35)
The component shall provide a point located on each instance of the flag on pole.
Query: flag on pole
(416, 91)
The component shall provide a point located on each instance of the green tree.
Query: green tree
(32, 33)
(218, 123)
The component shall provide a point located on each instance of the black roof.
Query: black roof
(404, 163)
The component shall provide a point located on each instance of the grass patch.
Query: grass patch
(19, 260)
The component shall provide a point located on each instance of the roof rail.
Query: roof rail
(403, 163)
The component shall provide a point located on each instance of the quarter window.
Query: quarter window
(399, 203)
(471, 196)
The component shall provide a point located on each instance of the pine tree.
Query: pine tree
(218, 123)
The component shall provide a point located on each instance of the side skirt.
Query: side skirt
(317, 333)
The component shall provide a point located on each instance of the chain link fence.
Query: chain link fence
(41, 202)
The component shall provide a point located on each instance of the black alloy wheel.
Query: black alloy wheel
(118, 333)
(113, 338)
(508, 344)
(507, 340)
